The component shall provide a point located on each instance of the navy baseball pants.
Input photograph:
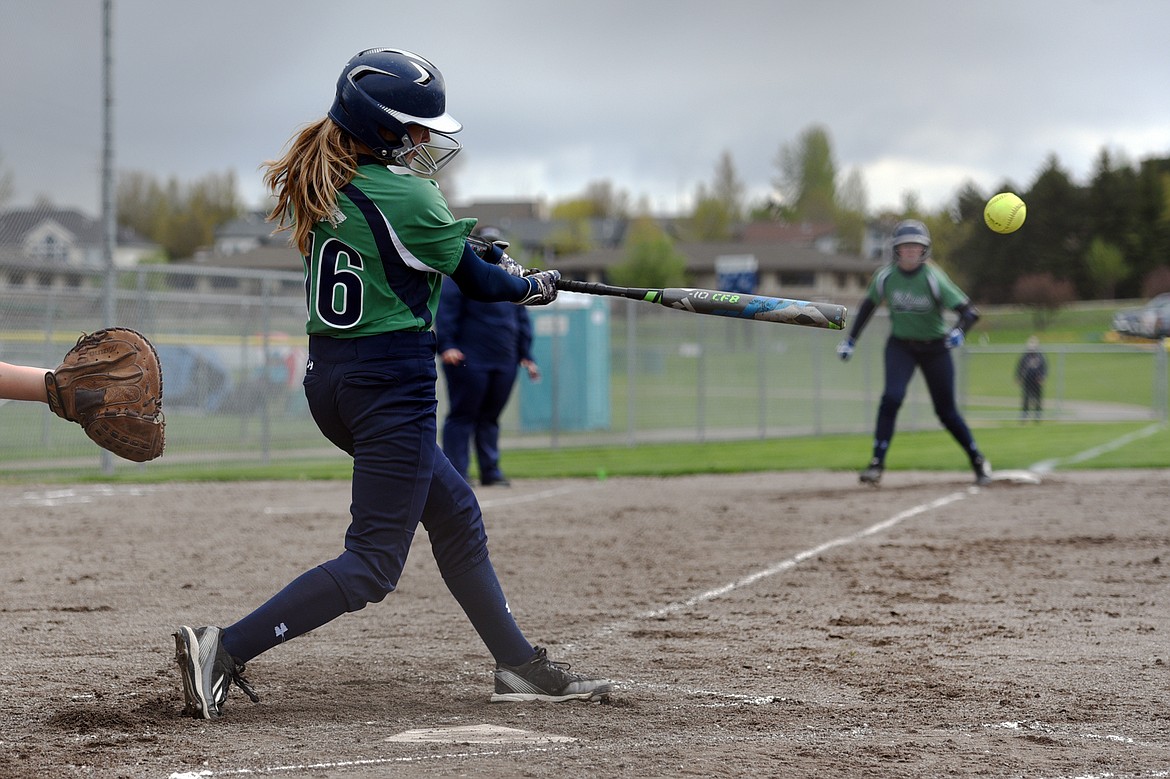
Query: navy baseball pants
(933, 357)
(478, 396)
(374, 397)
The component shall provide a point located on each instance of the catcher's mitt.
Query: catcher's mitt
(110, 383)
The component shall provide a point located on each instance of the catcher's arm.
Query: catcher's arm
(110, 383)
(22, 382)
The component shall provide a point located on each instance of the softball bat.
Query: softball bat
(717, 303)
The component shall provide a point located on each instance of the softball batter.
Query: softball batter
(377, 237)
(916, 293)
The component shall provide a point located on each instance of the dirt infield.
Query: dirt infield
(763, 625)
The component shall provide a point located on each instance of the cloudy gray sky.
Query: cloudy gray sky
(917, 95)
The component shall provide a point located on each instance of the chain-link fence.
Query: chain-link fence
(233, 351)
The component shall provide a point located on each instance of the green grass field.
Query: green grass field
(1009, 446)
(1107, 378)
(1085, 323)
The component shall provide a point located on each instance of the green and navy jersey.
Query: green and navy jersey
(916, 301)
(378, 265)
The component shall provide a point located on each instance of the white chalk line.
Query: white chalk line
(511, 500)
(204, 774)
(1115, 775)
(81, 494)
(785, 565)
(1058, 732)
(1046, 466)
(1048, 729)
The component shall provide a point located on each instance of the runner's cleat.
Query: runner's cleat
(982, 468)
(873, 473)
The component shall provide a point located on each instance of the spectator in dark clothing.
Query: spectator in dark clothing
(480, 345)
(1031, 371)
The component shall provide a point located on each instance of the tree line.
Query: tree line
(1104, 239)
(181, 217)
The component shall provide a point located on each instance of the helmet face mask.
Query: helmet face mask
(426, 158)
(386, 91)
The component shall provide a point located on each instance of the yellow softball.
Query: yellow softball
(1005, 212)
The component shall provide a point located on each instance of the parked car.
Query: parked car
(1149, 321)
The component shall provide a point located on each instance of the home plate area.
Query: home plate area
(477, 734)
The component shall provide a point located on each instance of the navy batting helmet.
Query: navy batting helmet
(911, 231)
(390, 90)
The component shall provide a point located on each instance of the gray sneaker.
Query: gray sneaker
(872, 473)
(208, 671)
(540, 679)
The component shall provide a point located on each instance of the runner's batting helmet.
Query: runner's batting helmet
(911, 231)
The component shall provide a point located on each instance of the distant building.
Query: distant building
(47, 246)
(248, 232)
(504, 213)
(796, 261)
(783, 270)
(792, 260)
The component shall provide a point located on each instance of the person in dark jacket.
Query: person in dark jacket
(480, 345)
(1031, 371)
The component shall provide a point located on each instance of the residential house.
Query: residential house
(796, 261)
(49, 247)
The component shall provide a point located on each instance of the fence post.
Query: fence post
(818, 385)
(1161, 380)
(1060, 355)
(762, 382)
(631, 368)
(555, 389)
(49, 358)
(265, 349)
(700, 383)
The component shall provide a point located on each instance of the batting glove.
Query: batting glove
(542, 287)
(495, 254)
(514, 268)
(955, 338)
(845, 349)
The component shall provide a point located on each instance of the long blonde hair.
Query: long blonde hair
(321, 159)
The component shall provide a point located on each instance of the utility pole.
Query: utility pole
(109, 209)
